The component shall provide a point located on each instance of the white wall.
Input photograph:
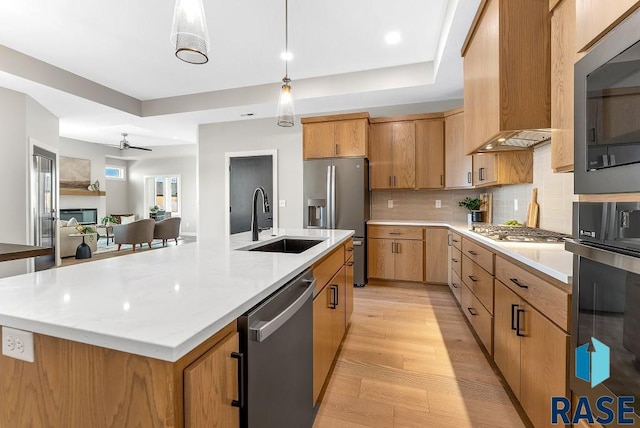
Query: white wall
(216, 139)
(21, 118)
(184, 166)
(117, 201)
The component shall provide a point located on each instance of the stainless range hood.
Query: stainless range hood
(518, 140)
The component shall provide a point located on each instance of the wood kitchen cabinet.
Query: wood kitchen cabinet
(455, 264)
(594, 19)
(493, 169)
(396, 253)
(335, 136)
(563, 57)
(210, 385)
(531, 353)
(392, 159)
(430, 154)
(458, 165)
(506, 71)
(435, 258)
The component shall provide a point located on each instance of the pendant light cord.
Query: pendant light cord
(286, 38)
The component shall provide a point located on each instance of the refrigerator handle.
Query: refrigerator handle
(333, 196)
(329, 200)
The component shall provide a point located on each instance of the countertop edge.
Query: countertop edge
(462, 229)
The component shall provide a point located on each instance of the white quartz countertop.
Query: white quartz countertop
(550, 259)
(160, 303)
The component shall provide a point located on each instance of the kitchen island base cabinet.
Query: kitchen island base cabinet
(72, 384)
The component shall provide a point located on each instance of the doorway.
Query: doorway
(43, 170)
(245, 172)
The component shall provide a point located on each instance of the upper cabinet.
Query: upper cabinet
(563, 57)
(506, 71)
(494, 169)
(458, 166)
(594, 18)
(345, 135)
(407, 152)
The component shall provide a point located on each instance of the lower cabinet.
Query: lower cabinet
(397, 259)
(210, 385)
(531, 353)
(480, 319)
(435, 258)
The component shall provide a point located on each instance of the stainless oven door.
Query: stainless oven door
(606, 306)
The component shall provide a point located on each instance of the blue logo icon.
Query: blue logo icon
(592, 363)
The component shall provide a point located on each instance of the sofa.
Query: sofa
(137, 232)
(69, 244)
(166, 229)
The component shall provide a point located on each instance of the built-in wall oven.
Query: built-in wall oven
(607, 113)
(606, 296)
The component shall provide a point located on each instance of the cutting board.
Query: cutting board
(487, 206)
(534, 210)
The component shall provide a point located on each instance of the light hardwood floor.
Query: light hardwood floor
(410, 360)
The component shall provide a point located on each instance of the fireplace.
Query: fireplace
(83, 215)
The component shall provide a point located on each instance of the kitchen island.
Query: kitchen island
(120, 332)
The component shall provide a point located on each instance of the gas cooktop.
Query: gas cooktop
(519, 234)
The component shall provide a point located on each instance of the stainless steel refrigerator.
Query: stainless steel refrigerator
(336, 196)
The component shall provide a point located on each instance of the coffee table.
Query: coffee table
(106, 231)
(83, 251)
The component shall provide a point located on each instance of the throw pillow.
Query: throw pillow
(72, 222)
(127, 219)
(63, 223)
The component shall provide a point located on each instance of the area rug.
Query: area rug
(103, 247)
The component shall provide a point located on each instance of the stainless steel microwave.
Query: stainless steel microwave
(607, 113)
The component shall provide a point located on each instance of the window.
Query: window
(114, 172)
(164, 191)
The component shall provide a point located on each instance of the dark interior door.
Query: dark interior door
(44, 175)
(245, 174)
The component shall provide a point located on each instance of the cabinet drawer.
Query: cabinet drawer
(348, 250)
(480, 319)
(456, 260)
(456, 286)
(328, 267)
(478, 254)
(479, 281)
(395, 232)
(545, 297)
(456, 240)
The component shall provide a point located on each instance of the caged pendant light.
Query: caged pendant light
(189, 32)
(285, 102)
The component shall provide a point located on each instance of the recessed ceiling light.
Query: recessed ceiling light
(286, 56)
(393, 37)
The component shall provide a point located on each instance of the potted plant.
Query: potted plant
(473, 205)
(109, 220)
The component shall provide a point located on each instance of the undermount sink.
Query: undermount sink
(285, 245)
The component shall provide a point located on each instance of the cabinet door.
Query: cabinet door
(339, 306)
(436, 255)
(594, 18)
(322, 339)
(563, 57)
(484, 169)
(349, 291)
(210, 384)
(409, 259)
(351, 138)
(429, 154)
(404, 155)
(318, 140)
(543, 374)
(381, 258)
(381, 156)
(458, 167)
(506, 344)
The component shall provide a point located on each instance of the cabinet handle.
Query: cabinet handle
(337, 295)
(394, 181)
(390, 184)
(240, 401)
(454, 260)
(333, 304)
(473, 278)
(350, 249)
(454, 240)
(592, 134)
(516, 282)
(472, 311)
(454, 285)
(349, 263)
(337, 149)
(469, 177)
(519, 311)
(513, 315)
(398, 251)
(442, 180)
(473, 253)
(481, 174)
(448, 240)
(395, 233)
(393, 247)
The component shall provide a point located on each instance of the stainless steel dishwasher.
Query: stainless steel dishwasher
(276, 341)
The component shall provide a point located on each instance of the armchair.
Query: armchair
(138, 232)
(166, 229)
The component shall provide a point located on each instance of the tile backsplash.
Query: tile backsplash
(555, 197)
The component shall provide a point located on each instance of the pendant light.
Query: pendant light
(189, 32)
(285, 102)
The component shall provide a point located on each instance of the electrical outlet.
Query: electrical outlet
(438, 203)
(390, 203)
(17, 344)
(515, 205)
(283, 203)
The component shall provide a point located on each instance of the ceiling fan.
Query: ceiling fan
(124, 144)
